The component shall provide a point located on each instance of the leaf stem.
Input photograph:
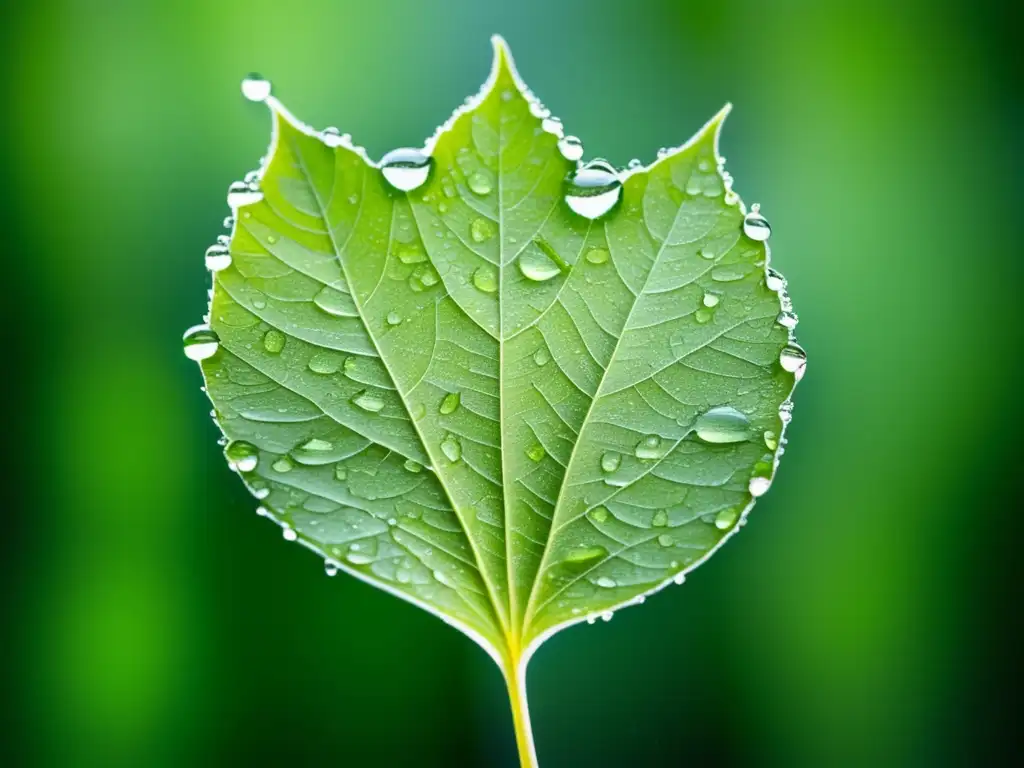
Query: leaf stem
(515, 679)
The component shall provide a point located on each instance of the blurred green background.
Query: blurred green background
(862, 619)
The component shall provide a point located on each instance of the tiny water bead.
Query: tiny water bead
(255, 87)
(217, 257)
(330, 568)
(726, 518)
(755, 226)
(479, 183)
(200, 342)
(536, 265)
(485, 279)
(451, 448)
(598, 255)
(405, 169)
(273, 341)
(481, 230)
(449, 403)
(571, 148)
(242, 456)
(368, 401)
(594, 189)
(289, 534)
(721, 425)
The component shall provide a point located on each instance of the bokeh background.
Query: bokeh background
(866, 616)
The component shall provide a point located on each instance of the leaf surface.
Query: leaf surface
(473, 397)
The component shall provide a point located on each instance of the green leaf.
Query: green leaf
(475, 397)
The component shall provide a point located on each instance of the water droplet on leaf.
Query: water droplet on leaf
(405, 169)
(218, 257)
(484, 279)
(725, 519)
(649, 448)
(481, 230)
(594, 190)
(537, 265)
(479, 182)
(598, 255)
(755, 226)
(723, 424)
(242, 456)
(368, 401)
(610, 461)
(571, 148)
(450, 403)
(536, 452)
(759, 486)
(451, 448)
(255, 87)
(200, 342)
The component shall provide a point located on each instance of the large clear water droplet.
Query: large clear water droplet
(774, 280)
(405, 169)
(537, 265)
(610, 461)
(723, 424)
(242, 456)
(368, 401)
(484, 279)
(755, 226)
(451, 448)
(218, 257)
(240, 193)
(759, 486)
(200, 342)
(571, 148)
(480, 183)
(449, 403)
(255, 87)
(793, 358)
(594, 189)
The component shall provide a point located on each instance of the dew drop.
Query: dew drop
(707, 253)
(200, 342)
(451, 448)
(340, 471)
(541, 356)
(725, 519)
(449, 403)
(536, 452)
(255, 87)
(289, 534)
(660, 519)
(584, 554)
(703, 316)
(721, 425)
(315, 445)
(405, 169)
(787, 320)
(240, 193)
(666, 540)
(771, 440)
(774, 280)
(413, 466)
(793, 359)
(610, 461)
(334, 302)
(411, 254)
(284, 464)
(481, 230)
(786, 412)
(606, 616)
(730, 273)
(649, 448)
(755, 226)
(357, 558)
(418, 411)
(330, 568)
(605, 583)
(324, 363)
(759, 486)
(479, 182)
(599, 515)
(552, 124)
(242, 456)
(594, 190)
(679, 578)
(218, 257)
(571, 148)
(537, 265)
(368, 401)
(393, 318)
(273, 341)
(711, 299)
(485, 280)
(598, 255)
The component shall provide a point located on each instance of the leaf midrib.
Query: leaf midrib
(502, 621)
